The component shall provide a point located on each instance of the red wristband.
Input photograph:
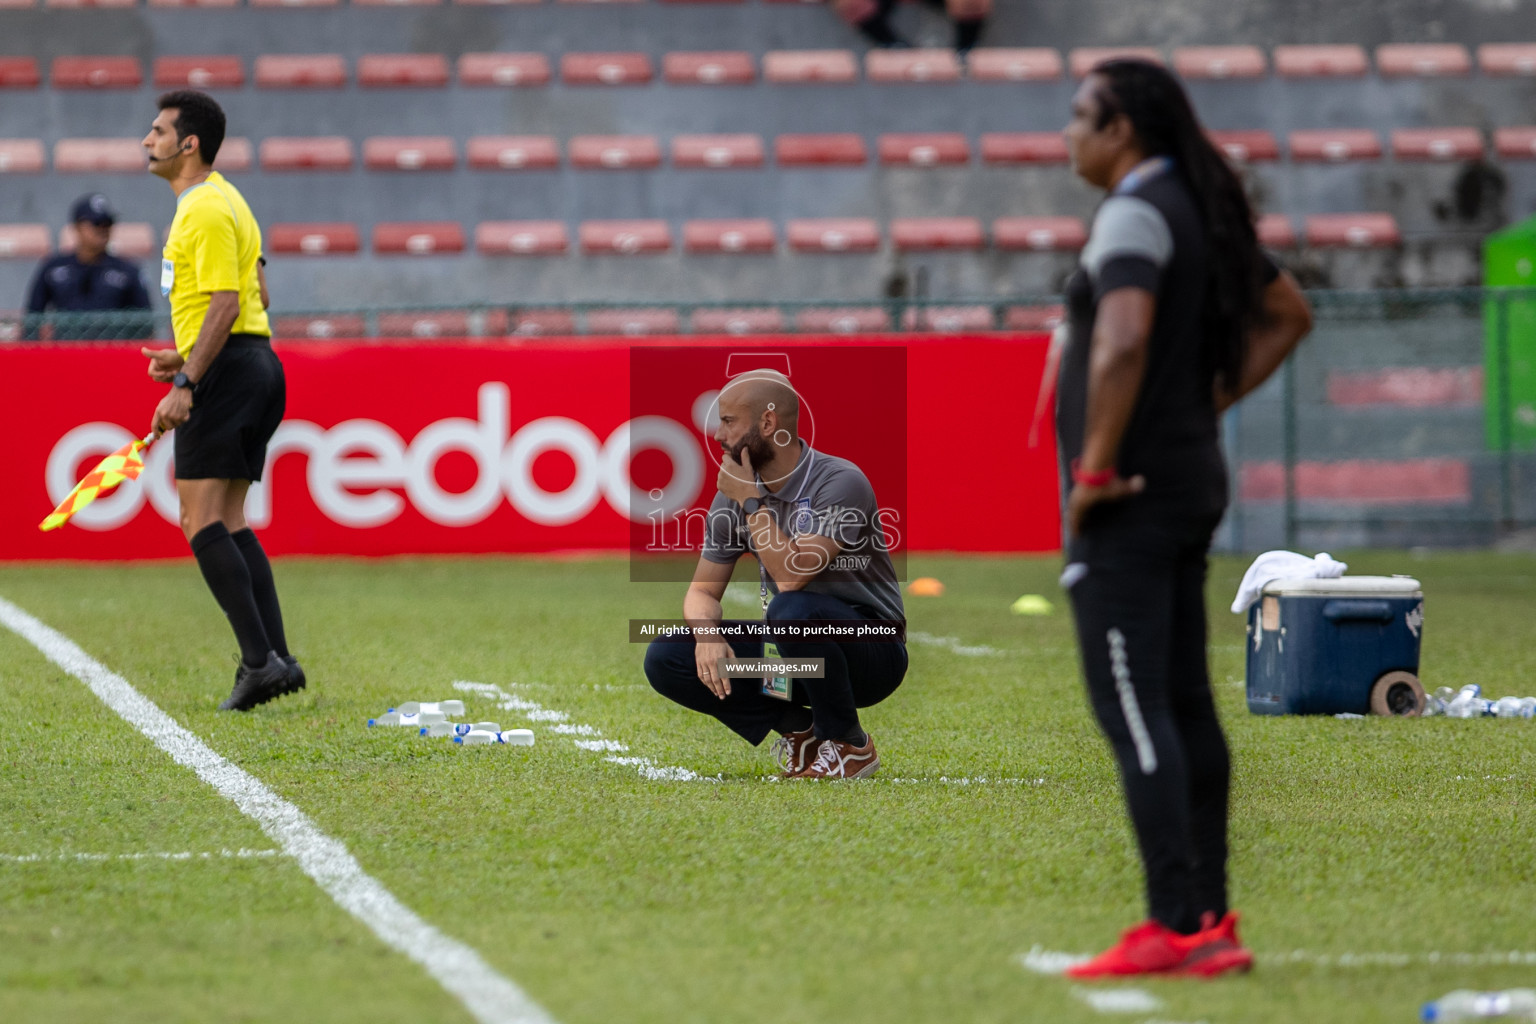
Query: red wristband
(1097, 478)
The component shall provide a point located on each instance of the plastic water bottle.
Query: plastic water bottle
(1433, 706)
(446, 708)
(1528, 707)
(518, 737)
(395, 717)
(444, 729)
(511, 737)
(1466, 702)
(1508, 707)
(1464, 1004)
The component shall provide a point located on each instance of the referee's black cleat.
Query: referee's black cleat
(295, 680)
(255, 686)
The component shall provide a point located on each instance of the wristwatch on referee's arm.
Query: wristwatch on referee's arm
(750, 507)
(181, 380)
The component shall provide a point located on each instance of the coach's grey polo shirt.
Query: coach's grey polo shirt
(828, 496)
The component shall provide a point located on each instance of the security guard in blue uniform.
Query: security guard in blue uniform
(90, 279)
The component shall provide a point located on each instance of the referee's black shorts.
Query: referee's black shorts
(235, 410)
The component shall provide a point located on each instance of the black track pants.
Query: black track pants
(1141, 632)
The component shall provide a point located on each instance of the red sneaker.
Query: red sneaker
(794, 751)
(1217, 950)
(1148, 948)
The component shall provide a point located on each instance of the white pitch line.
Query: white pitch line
(593, 741)
(1119, 1000)
(953, 644)
(1045, 961)
(95, 858)
(489, 997)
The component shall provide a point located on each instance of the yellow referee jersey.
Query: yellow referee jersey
(213, 246)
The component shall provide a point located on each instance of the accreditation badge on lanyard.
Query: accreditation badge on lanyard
(167, 277)
(775, 686)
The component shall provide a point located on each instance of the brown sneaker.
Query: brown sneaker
(794, 751)
(836, 759)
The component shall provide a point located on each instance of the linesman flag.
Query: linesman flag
(124, 464)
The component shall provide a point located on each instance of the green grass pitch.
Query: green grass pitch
(611, 897)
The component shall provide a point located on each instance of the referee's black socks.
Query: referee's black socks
(263, 588)
(229, 578)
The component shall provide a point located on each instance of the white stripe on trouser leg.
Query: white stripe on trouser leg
(489, 997)
(1146, 755)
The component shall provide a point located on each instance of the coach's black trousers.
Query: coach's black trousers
(858, 675)
(1139, 604)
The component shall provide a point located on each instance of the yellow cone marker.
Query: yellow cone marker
(1031, 604)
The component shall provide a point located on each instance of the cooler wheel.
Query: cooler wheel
(1397, 693)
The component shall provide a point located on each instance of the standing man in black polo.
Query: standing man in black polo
(812, 522)
(90, 279)
(227, 388)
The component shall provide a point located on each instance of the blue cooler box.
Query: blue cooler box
(1325, 647)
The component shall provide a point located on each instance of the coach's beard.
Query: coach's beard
(756, 445)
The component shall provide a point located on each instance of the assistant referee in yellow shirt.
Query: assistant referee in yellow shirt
(227, 389)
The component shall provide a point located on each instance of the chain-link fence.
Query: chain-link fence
(1407, 418)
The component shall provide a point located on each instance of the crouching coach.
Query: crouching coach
(812, 523)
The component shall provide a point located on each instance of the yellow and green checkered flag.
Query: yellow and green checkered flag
(124, 464)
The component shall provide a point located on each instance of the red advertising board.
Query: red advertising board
(405, 447)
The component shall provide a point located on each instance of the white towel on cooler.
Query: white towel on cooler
(1283, 565)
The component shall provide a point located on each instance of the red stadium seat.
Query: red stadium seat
(847, 320)
(605, 69)
(418, 238)
(1276, 231)
(541, 322)
(615, 152)
(1515, 143)
(316, 153)
(1507, 58)
(521, 238)
(927, 234)
(441, 323)
(1219, 61)
(912, 66)
(194, 3)
(99, 156)
(624, 237)
(97, 73)
(409, 153)
(723, 68)
(19, 73)
(24, 241)
(21, 156)
(1422, 60)
(797, 67)
(924, 149)
(1335, 145)
(1246, 147)
(947, 319)
(17, 4)
(833, 234)
(1023, 148)
(295, 3)
(504, 69)
(488, 3)
(1041, 234)
(395, 3)
(301, 71)
(1437, 143)
(717, 151)
(1352, 231)
(1033, 318)
(1321, 61)
(729, 236)
(824, 148)
(341, 325)
(402, 70)
(1082, 59)
(130, 241)
(235, 155)
(1021, 64)
(329, 239)
(198, 72)
(98, 4)
(764, 320)
(513, 152)
(633, 322)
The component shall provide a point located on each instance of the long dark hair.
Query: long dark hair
(1165, 125)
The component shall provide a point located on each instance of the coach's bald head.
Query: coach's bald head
(758, 391)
